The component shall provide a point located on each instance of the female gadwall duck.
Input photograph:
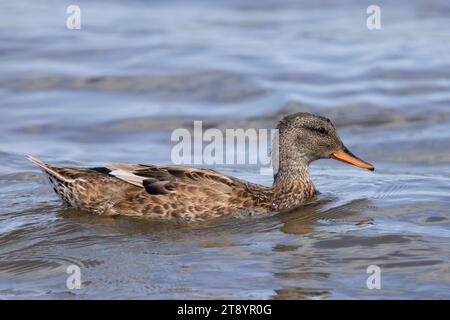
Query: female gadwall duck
(194, 194)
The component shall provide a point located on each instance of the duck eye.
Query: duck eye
(322, 130)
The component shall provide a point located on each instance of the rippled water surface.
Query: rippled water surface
(114, 91)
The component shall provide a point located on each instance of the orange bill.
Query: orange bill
(346, 156)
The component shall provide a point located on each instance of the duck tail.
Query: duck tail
(52, 171)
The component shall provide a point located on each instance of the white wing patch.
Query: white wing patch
(128, 177)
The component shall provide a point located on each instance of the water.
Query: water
(114, 91)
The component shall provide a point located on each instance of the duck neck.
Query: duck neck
(292, 186)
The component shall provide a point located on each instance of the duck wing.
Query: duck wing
(158, 180)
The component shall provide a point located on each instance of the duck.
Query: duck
(186, 194)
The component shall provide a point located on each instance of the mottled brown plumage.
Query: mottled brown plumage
(193, 194)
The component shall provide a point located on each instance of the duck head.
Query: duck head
(305, 137)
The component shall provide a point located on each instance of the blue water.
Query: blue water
(115, 90)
